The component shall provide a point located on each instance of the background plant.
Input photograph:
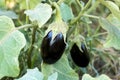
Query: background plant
(24, 23)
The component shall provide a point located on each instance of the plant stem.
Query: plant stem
(31, 47)
(91, 16)
(29, 53)
(60, 1)
(71, 30)
(81, 13)
(20, 22)
(88, 30)
(78, 17)
(94, 6)
(58, 12)
(103, 33)
(98, 28)
(25, 26)
(78, 2)
(97, 74)
(27, 6)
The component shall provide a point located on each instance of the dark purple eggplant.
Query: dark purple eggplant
(80, 58)
(52, 50)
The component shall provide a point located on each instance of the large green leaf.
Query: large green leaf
(101, 77)
(11, 43)
(66, 12)
(32, 74)
(41, 13)
(113, 37)
(65, 72)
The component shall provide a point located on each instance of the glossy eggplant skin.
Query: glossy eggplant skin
(80, 58)
(52, 50)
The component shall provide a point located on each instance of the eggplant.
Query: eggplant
(52, 50)
(80, 58)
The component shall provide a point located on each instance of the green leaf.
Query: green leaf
(113, 37)
(31, 3)
(53, 76)
(66, 12)
(113, 8)
(65, 72)
(41, 13)
(101, 77)
(10, 14)
(32, 74)
(11, 43)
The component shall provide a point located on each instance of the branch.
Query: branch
(81, 13)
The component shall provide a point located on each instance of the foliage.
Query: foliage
(101, 77)
(41, 14)
(11, 43)
(113, 34)
(32, 74)
(63, 73)
(24, 24)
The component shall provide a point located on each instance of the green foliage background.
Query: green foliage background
(24, 23)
